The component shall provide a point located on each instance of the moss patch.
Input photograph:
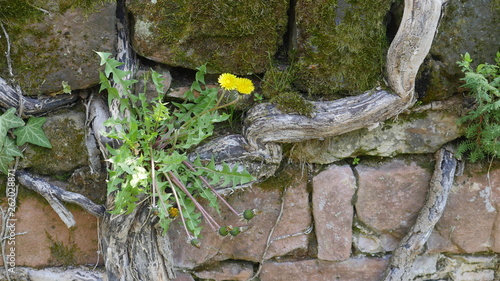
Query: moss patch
(62, 254)
(65, 131)
(53, 41)
(293, 103)
(232, 36)
(341, 45)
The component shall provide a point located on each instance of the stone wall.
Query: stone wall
(337, 207)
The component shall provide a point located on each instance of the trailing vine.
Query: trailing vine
(483, 122)
(151, 162)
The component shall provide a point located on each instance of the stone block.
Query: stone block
(466, 26)
(49, 48)
(47, 241)
(236, 36)
(250, 244)
(333, 190)
(391, 193)
(468, 222)
(66, 133)
(227, 270)
(420, 132)
(354, 269)
(340, 46)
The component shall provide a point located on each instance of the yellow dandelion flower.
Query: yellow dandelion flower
(227, 81)
(244, 85)
(173, 212)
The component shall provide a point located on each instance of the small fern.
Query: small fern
(483, 130)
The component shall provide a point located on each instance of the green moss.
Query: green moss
(18, 11)
(293, 103)
(61, 253)
(277, 80)
(342, 45)
(232, 36)
(286, 175)
(32, 33)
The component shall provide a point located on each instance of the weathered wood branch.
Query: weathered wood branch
(412, 244)
(54, 195)
(265, 123)
(11, 97)
(412, 44)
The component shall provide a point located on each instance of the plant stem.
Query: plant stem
(178, 205)
(187, 164)
(179, 184)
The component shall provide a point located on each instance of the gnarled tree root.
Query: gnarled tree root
(54, 195)
(10, 97)
(400, 267)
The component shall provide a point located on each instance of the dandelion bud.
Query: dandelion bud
(224, 230)
(235, 231)
(249, 214)
(195, 242)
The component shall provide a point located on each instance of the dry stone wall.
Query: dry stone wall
(337, 207)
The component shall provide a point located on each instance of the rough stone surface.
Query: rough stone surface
(236, 37)
(59, 46)
(66, 132)
(467, 26)
(227, 270)
(391, 193)
(353, 269)
(250, 245)
(340, 45)
(423, 132)
(333, 190)
(181, 276)
(463, 268)
(48, 242)
(468, 222)
(371, 243)
(55, 273)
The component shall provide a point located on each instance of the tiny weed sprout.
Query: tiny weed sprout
(483, 121)
(152, 161)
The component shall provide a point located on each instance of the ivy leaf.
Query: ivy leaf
(10, 148)
(8, 121)
(33, 133)
(5, 160)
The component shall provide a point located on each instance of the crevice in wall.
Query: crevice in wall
(312, 246)
(356, 178)
(393, 19)
(290, 36)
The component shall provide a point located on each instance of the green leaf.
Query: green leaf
(8, 121)
(5, 160)
(104, 56)
(33, 133)
(10, 148)
(157, 80)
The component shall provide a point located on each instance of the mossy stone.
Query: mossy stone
(232, 36)
(54, 41)
(340, 45)
(66, 132)
(467, 26)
